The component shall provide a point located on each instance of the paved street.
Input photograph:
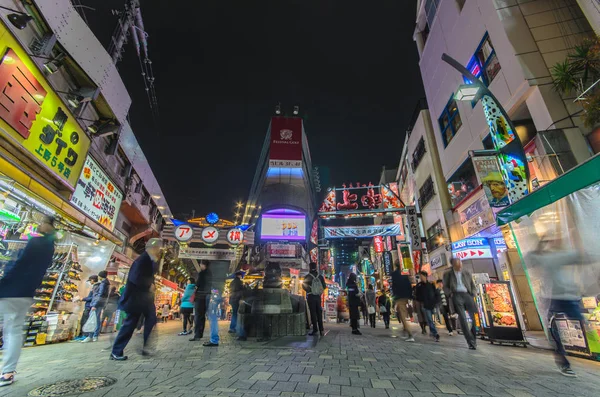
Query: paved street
(376, 364)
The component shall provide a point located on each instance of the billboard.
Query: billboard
(35, 118)
(286, 142)
(361, 231)
(488, 172)
(283, 227)
(97, 196)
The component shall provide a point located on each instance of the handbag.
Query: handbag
(382, 309)
(371, 309)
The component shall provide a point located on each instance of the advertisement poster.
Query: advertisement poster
(282, 250)
(35, 118)
(488, 172)
(413, 228)
(286, 142)
(97, 196)
(283, 227)
(416, 256)
(571, 335)
(361, 231)
(476, 217)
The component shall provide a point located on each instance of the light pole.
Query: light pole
(509, 149)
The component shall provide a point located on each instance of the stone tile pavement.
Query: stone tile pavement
(377, 364)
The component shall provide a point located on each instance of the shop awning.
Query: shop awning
(576, 179)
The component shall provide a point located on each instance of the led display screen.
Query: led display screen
(283, 227)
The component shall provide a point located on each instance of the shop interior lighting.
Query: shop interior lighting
(18, 19)
(54, 64)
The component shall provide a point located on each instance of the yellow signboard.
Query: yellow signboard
(34, 116)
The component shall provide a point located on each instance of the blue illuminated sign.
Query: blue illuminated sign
(470, 243)
(212, 218)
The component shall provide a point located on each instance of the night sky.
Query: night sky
(222, 66)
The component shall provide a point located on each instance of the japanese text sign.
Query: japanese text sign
(34, 117)
(413, 228)
(184, 233)
(96, 195)
(387, 263)
(235, 236)
(361, 231)
(378, 244)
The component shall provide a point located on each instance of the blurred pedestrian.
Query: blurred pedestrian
(17, 288)
(444, 308)
(354, 301)
(138, 299)
(214, 303)
(100, 292)
(187, 306)
(418, 301)
(370, 299)
(166, 310)
(459, 286)
(87, 308)
(202, 295)
(363, 307)
(112, 303)
(314, 285)
(236, 289)
(402, 292)
(431, 298)
(384, 308)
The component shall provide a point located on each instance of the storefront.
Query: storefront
(560, 220)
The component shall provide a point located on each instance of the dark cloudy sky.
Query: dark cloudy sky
(221, 67)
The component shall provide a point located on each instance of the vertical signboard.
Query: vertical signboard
(398, 221)
(378, 244)
(494, 186)
(387, 263)
(286, 142)
(413, 228)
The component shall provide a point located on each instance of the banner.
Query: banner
(494, 186)
(413, 228)
(97, 196)
(206, 253)
(35, 118)
(362, 231)
(286, 142)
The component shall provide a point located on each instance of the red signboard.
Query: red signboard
(378, 244)
(286, 142)
(314, 233)
(398, 220)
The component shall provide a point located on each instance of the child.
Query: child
(213, 312)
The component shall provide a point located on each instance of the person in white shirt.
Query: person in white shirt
(460, 288)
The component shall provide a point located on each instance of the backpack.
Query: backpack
(316, 287)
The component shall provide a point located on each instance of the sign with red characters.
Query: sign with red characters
(378, 244)
(286, 142)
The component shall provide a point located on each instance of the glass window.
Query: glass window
(431, 7)
(450, 121)
(462, 183)
(484, 63)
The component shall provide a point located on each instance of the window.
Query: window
(418, 154)
(484, 63)
(488, 143)
(431, 7)
(450, 121)
(460, 4)
(435, 236)
(426, 193)
(462, 183)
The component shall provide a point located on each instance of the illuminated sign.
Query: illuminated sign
(96, 195)
(212, 218)
(472, 248)
(387, 263)
(286, 142)
(361, 231)
(283, 227)
(235, 236)
(35, 118)
(282, 250)
(314, 233)
(184, 233)
(488, 171)
(378, 244)
(210, 235)
(413, 227)
(206, 253)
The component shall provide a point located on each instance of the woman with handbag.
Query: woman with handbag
(370, 299)
(385, 308)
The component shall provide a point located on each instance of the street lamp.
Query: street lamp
(467, 92)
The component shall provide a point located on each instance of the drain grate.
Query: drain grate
(74, 386)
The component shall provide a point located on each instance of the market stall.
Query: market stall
(559, 222)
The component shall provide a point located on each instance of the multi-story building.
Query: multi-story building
(512, 47)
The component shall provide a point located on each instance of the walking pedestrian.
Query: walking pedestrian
(363, 307)
(384, 308)
(166, 310)
(459, 286)
(212, 310)
(138, 299)
(202, 295)
(100, 292)
(236, 289)
(402, 292)
(444, 307)
(187, 306)
(17, 288)
(370, 299)
(112, 303)
(418, 303)
(314, 285)
(354, 301)
(87, 308)
(431, 298)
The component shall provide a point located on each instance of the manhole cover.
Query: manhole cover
(66, 387)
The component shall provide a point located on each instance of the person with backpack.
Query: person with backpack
(314, 285)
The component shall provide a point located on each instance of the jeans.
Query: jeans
(213, 321)
(572, 311)
(200, 320)
(234, 315)
(99, 318)
(386, 319)
(316, 312)
(464, 302)
(13, 311)
(130, 324)
(429, 317)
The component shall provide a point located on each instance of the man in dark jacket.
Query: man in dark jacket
(460, 288)
(17, 289)
(203, 289)
(138, 299)
(402, 292)
(418, 304)
(99, 296)
(236, 288)
(431, 298)
(314, 285)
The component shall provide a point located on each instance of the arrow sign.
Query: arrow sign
(480, 253)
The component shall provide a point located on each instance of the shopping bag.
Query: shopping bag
(371, 309)
(91, 323)
(382, 309)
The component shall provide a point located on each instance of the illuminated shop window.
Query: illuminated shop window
(484, 63)
(450, 121)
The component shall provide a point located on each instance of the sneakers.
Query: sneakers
(117, 358)
(195, 339)
(450, 333)
(313, 333)
(356, 332)
(86, 340)
(7, 379)
(437, 337)
(566, 371)
(182, 333)
(210, 344)
(95, 339)
(409, 339)
(472, 347)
